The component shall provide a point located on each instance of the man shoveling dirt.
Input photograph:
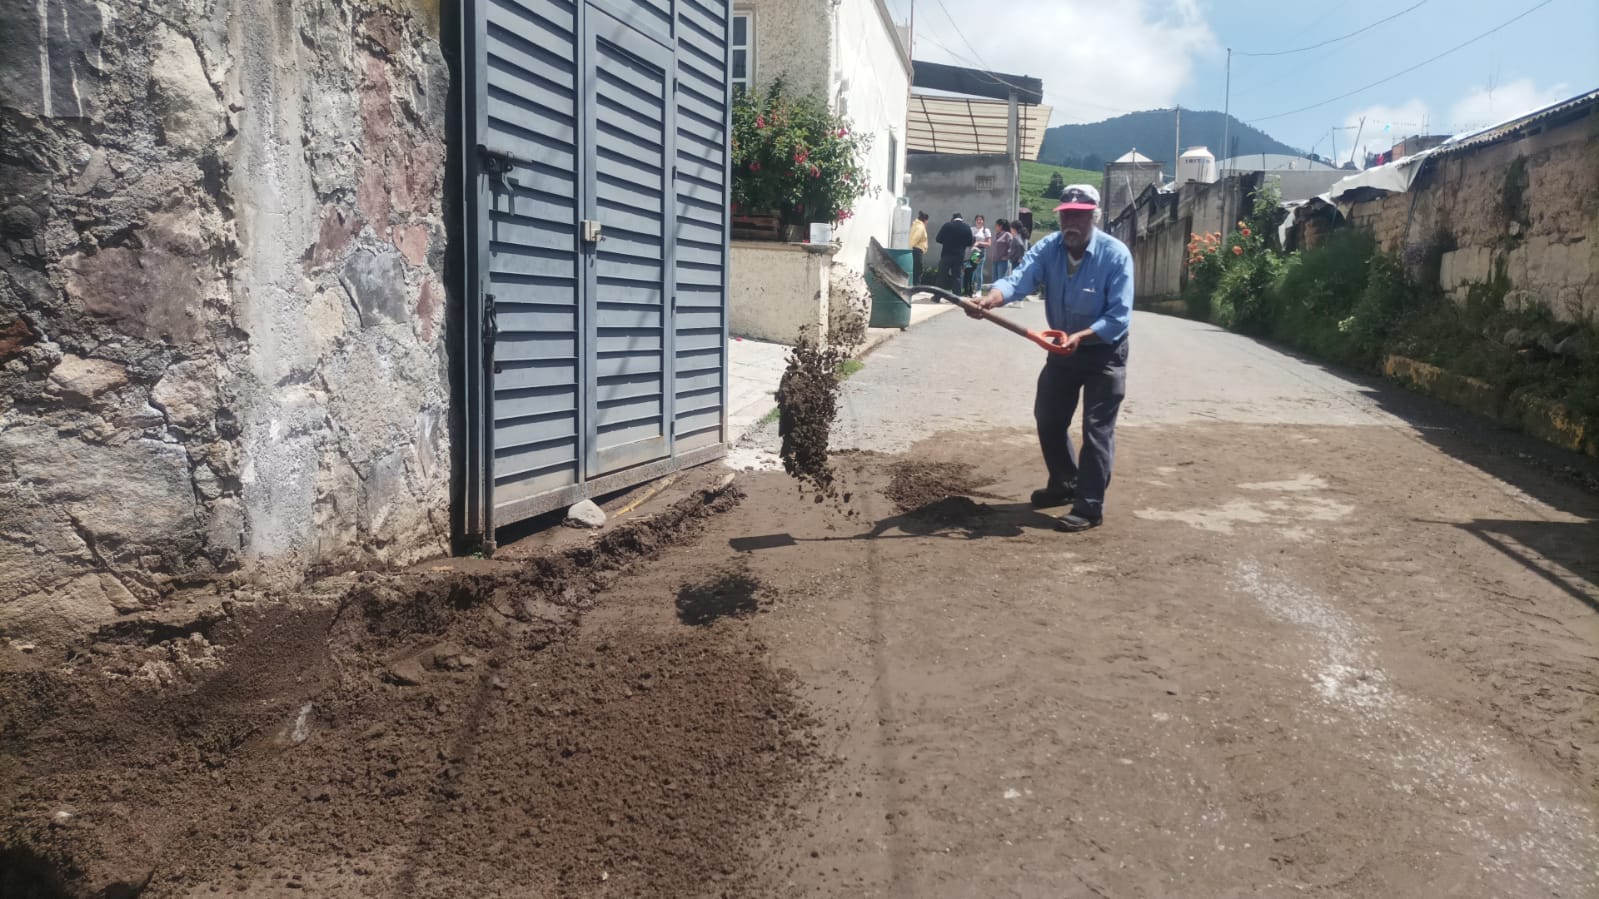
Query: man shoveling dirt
(1088, 283)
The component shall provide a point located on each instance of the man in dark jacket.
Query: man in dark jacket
(954, 240)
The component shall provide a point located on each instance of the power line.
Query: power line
(1460, 46)
(1054, 99)
(1335, 39)
(962, 35)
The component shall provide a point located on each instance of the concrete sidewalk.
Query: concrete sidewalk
(755, 367)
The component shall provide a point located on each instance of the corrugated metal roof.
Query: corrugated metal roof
(967, 127)
(1505, 129)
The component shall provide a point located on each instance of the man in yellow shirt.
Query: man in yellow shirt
(918, 246)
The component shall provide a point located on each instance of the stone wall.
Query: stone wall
(221, 297)
(1529, 205)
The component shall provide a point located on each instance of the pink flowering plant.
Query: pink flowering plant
(793, 156)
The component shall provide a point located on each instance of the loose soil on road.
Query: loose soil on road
(1284, 665)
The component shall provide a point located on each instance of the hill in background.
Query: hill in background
(1153, 133)
(1035, 180)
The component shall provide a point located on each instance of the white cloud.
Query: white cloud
(1096, 59)
(1483, 107)
(1384, 126)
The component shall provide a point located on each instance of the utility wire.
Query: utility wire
(1052, 98)
(1334, 40)
(1460, 46)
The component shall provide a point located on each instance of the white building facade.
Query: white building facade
(851, 51)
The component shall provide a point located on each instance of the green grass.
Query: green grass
(1034, 180)
(1035, 177)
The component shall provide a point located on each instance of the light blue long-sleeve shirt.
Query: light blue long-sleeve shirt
(1099, 296)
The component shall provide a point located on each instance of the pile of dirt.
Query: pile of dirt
(935, 490)
(433, 734)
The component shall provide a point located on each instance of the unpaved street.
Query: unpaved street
(1314, 648)
(1331, 640)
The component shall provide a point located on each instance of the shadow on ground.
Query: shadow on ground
(1561, 479)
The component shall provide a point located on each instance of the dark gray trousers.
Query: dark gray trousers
(1097, 374)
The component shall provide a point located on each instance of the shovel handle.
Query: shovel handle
(1049, 340)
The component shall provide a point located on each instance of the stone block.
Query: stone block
(192, 117)
(586, 514)
(155, 293)
(376, 281)
(67, 610)
(187, 393)
(412, 242)
(82, 379)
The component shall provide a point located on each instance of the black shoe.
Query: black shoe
(1072, 522)
(1053, 496)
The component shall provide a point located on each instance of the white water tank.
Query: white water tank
(1196, 164)
(900, 236)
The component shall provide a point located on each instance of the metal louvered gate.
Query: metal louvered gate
(595, 332)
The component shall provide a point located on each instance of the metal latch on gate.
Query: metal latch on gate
(491, 330)
(495, 164)
(592, 232)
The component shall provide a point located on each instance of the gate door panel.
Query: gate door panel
(629, 267)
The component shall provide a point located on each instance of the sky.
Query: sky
(1101, 58)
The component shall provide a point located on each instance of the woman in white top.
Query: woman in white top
(983, 238)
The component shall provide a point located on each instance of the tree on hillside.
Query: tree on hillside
(1093, 162)
(1056, 185)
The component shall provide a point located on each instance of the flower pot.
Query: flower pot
(754, 226)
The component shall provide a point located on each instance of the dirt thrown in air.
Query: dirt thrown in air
(807, 402)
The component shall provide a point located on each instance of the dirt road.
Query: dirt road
(1331, 638)
(1330, 641)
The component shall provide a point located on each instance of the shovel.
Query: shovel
(886, 270)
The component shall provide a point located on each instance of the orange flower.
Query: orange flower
(1241, 225)
(1238, 251)
(1245, 232)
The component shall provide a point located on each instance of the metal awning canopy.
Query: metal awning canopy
(963, 126)
(935, 76)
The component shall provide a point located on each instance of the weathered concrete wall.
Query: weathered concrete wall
(1157, 231)
(793, 42)
(221, 297)
(1123, 182)
(944, 184)
(779, 290)
(1530, 205)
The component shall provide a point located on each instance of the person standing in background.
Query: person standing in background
(981, 239)
(1002, 248)
(1018, 247)
(918, 244)
(954, 239)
